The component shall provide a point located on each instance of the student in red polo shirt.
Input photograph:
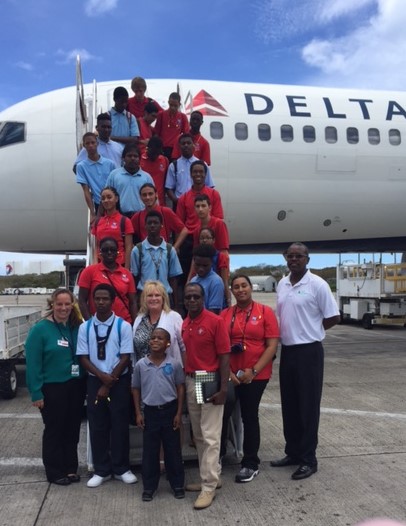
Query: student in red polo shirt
(171, 224)
(156, 165)
(136, 105)
(170, 124)
(202, 146)
(110, 272)
(203, 211)
(185, 207)
(145, 126)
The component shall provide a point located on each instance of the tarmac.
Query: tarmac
(361, 454)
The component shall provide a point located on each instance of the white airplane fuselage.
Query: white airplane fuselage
(277, 188)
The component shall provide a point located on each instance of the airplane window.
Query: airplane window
(309, 134)
(373, 136)
(331, 134)
(264, 132)
(352, 136)
(216, 130)
(286, 133)
(241, 131)
(394, 137)
(11, 133)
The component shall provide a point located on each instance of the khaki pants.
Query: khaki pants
(207, 421)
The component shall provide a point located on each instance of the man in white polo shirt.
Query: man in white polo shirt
(306, 309)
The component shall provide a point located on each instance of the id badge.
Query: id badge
(75, 370)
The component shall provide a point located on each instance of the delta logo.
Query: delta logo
(207, 105)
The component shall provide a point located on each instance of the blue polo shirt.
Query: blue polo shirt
(180, 180)
(213, 289)
(94, 174)
(128, 188)
(123, 124)
(109, 150)
(157, 383)
(154, 264)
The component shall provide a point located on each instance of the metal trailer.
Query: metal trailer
(15, 322)
(373, 293)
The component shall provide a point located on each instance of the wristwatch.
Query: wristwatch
(254, 371)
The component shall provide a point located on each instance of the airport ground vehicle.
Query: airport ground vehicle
(15, 322)
(372, 293)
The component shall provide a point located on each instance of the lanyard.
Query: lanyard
(157, 263)
(247, 317)
(102, 341)
(64, 337)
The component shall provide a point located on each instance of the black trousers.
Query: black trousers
(301, 384)
(249, 396)
(159, 429)
(62, 414)
(109, 427)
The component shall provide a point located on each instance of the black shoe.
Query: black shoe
(304, 471)
(179, 493)
(147, 496)
(63, 481)
(74, 477)
(285, 461)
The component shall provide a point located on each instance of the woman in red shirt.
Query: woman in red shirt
(254, 334)
(113, 224)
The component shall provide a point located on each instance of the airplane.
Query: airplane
(321, 165)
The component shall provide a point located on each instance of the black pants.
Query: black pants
(249, 396)
(62, 414)
(109, 427)
(159, 428)
(301, 383)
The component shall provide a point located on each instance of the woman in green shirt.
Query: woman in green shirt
(57, 386)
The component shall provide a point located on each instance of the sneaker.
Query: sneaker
(197, 486)
(179, 493)
(128, 477)
(97, 481)
(246, 474)
(147, 496)
(204, 500)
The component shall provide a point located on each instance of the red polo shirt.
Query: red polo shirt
(221, 241)
(110, 226)
(122, 280)
(257, 323)
(171, 223)
(138, 108)
(146, 132)
(157, 170)
(185, 207)
(205, 338)
(169, 127)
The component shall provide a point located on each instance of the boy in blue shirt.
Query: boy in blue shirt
(209, 279)
(160, 384)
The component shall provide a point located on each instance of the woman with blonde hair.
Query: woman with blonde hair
(57, 385)
(155, 312)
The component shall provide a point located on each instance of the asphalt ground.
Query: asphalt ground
(362, 455)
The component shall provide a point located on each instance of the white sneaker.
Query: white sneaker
(128, 477)
(97, 481)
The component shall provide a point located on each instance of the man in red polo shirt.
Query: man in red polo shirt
(156, 165)
(203, 211)
(145, 126)
(207, 350)
(170, 124)
(136, 104)
(171, 224)
(185, 207)
(202, 146)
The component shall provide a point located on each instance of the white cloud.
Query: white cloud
(99, 7)
(337, 8)
(24, 65)
(369, 56)
(67, 57)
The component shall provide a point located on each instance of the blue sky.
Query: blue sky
(317, 42)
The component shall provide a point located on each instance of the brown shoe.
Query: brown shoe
(196, 486)
(204, 500)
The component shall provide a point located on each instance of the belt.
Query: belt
(162, 406)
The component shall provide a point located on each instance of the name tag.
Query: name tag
(75, 370)
(63, 343)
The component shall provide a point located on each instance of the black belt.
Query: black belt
(162, 406)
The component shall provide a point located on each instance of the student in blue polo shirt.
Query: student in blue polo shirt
(124, 125)
(160, 384)
(209, 279)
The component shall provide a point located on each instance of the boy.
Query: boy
(206, 277)
(160, 383)
(124, 125)
(170, 124)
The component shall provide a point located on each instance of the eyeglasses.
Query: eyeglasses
(295, 256)
(193, 297)
(106, 250)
